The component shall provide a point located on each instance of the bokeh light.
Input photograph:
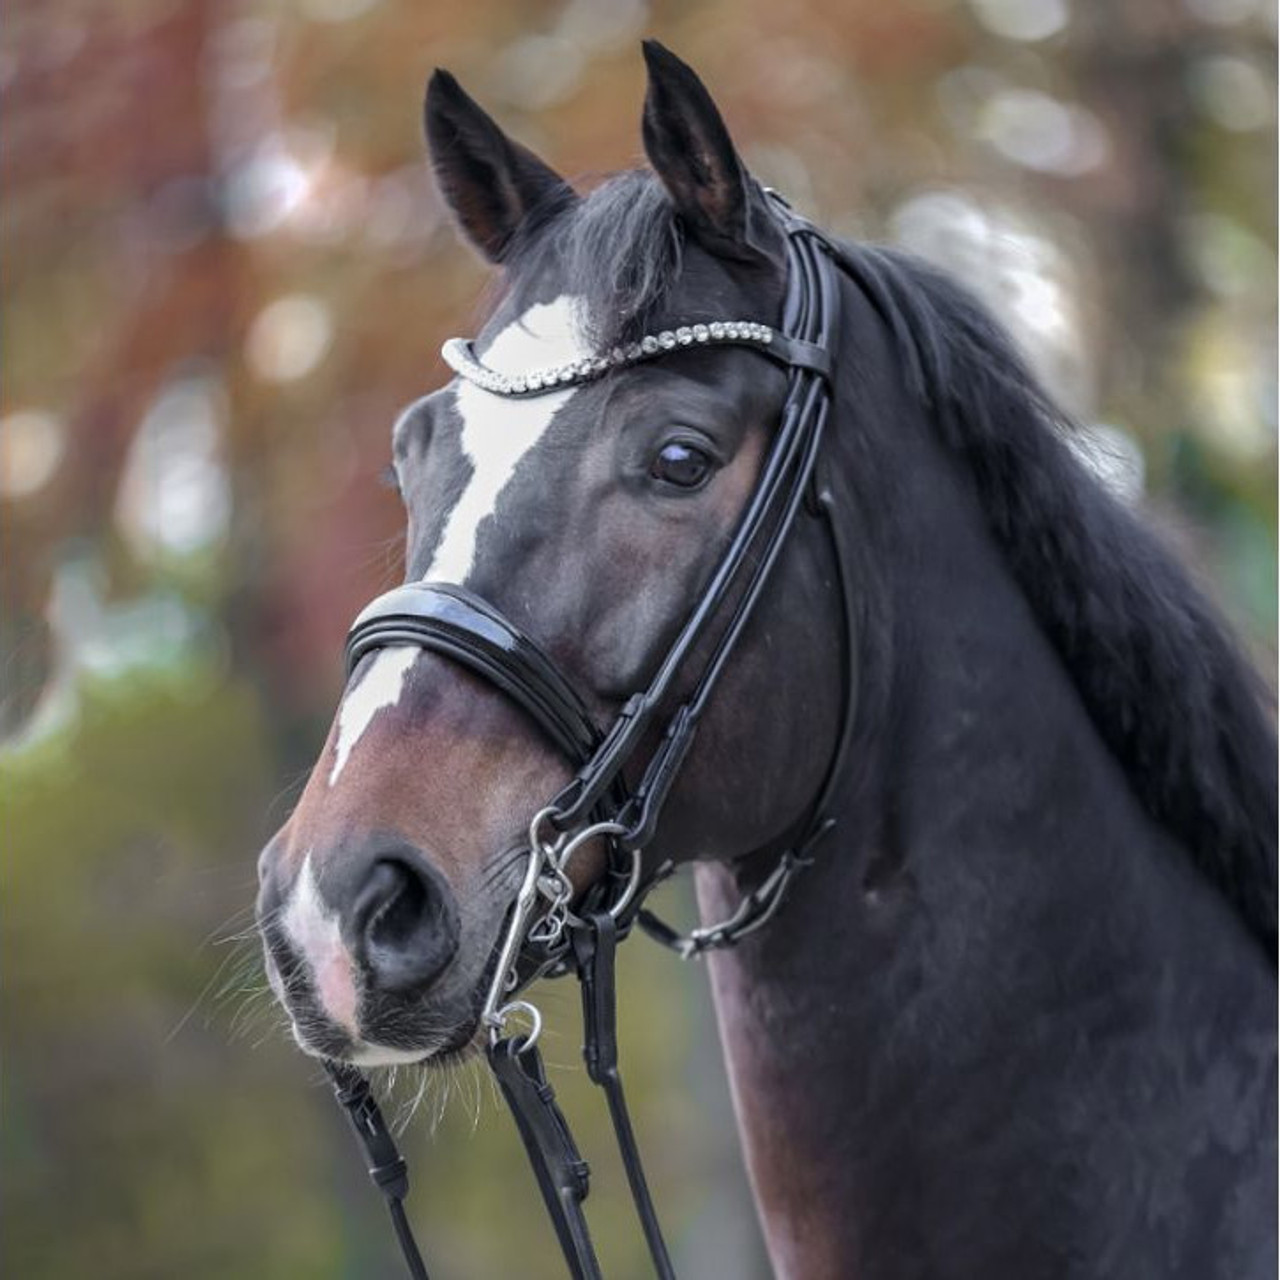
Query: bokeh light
(288, 338)
(32, 442)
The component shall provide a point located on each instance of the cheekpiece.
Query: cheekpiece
(461, 358)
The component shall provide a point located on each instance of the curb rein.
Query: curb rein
(451, 621)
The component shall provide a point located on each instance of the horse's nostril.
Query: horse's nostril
(404, 905)
(406, 925)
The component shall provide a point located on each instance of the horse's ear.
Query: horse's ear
(492, 184)
(691, 152)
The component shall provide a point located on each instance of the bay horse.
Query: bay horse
(1016, 1016)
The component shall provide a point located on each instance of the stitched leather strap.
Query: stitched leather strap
(595, 943)
(562, 1173)
(387, 1168)
(449, 620)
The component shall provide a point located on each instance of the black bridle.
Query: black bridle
(582, 935)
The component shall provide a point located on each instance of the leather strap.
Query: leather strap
(799, 354)
(450, 620)
(387, 1168)
(595, 944)
(562, 1173)
(811, 319)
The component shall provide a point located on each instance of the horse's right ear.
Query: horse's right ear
(492, 184)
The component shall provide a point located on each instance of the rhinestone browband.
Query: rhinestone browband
(459, 356)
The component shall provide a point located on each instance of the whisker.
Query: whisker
(386, 550)
(494, 871)
(289, 793)
(199, 1000)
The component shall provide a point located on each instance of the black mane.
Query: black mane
(1167, 686)
(1165, 682)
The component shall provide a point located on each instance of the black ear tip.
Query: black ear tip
(444, 90)
(669, 74)
(659, 59)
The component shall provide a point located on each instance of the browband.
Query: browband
(449, 620)
(460, 356)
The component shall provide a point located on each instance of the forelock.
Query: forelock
(619, 250)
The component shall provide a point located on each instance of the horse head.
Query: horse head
(591, 516)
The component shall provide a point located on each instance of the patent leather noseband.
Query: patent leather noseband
(551, 928)
(451, 621)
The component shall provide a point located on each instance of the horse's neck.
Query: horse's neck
(996, 960)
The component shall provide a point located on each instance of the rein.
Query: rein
(545, 934)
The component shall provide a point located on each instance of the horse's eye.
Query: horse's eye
(682, 465)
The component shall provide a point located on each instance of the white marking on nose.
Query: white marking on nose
(315, 932)
(379, 687)
(498, 431)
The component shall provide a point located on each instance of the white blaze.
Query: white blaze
(498, 431)
(380, 686)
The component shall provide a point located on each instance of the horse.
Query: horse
(1015, 1014)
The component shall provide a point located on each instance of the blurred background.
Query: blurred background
(227, 270)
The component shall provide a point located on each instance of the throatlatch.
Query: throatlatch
(548, 930)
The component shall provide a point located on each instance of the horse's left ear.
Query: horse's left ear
(691, 152)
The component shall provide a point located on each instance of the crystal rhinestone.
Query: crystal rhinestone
(460, 356)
